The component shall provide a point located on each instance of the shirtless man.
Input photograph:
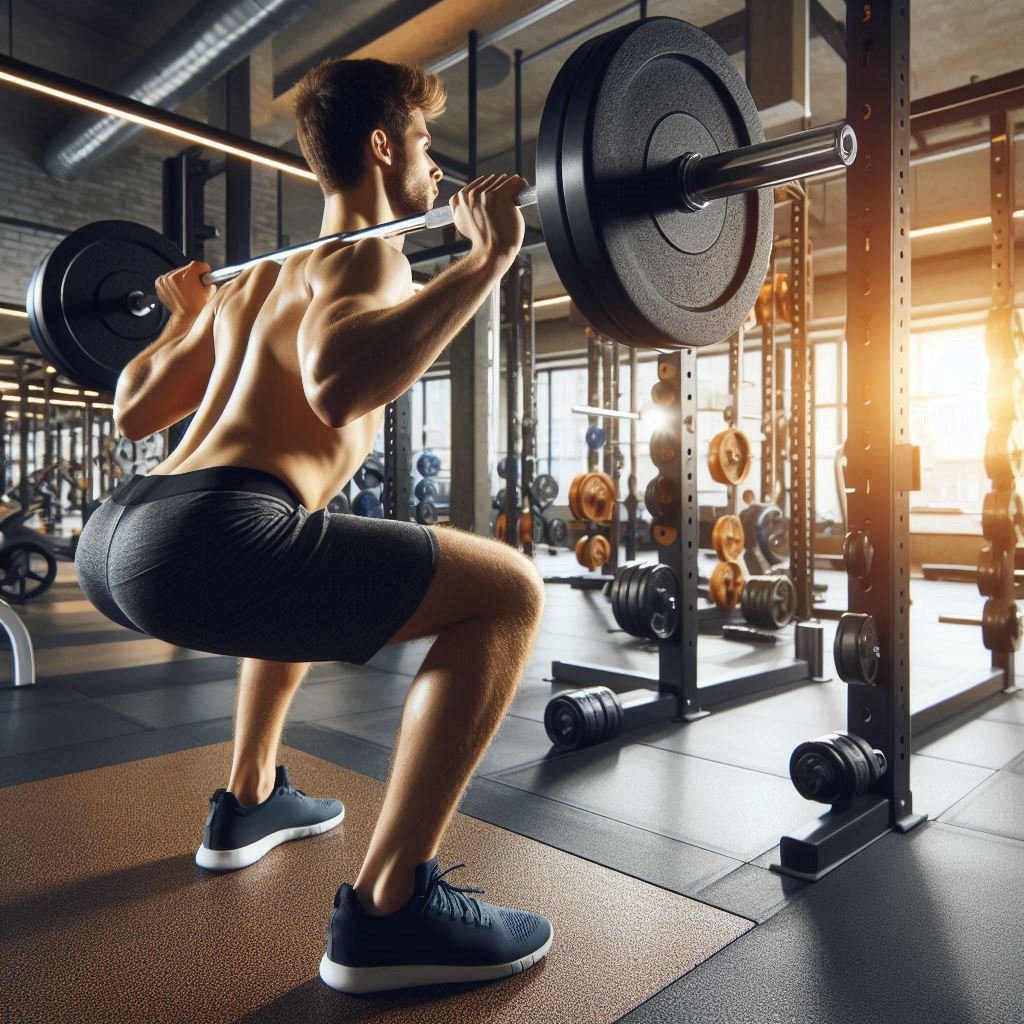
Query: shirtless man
(227, 546)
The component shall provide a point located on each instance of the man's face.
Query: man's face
(413, 187)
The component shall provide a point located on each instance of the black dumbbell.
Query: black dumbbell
(583, 718)
(835, 767)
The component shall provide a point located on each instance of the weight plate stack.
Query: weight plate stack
(582, 718)
(836, 767)
(769, 601)
(617, 594)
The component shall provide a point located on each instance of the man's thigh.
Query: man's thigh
(473, 577)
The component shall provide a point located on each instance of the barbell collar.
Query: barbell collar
(141, 304)
(767, 164)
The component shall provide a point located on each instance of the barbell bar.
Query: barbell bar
(701, 179)
(652, 186)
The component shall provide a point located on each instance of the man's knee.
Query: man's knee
(527, 586)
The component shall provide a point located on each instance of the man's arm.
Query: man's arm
(167, 380)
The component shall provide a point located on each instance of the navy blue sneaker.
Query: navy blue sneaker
(236, 836)
(439, 937)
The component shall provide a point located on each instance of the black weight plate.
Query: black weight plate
(544, 489)
(548, 174)
(556, 533)
(856, 768)
(426, 513)
(782, 603)
(856, 649)
(660, 592)
(615, 592)
(76, 300)
(634, 606)
(616, 595)
(649, 502)
(613, 714)
(666, 278)
(772, 531)
(619, 608)
(625, 618)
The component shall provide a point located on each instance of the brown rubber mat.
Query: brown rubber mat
(107, 918)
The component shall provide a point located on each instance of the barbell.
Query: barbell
(653, 189)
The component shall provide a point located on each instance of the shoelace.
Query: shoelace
(452, 897)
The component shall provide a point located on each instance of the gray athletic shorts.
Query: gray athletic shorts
(228, 560)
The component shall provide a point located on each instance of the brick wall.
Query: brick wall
(127, 186)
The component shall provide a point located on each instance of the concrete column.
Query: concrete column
(472, 357)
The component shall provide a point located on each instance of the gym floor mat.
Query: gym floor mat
(108, 918)
(919, 928)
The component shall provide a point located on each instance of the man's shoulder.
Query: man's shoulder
(370, 265)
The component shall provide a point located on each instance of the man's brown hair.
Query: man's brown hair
(339, 103)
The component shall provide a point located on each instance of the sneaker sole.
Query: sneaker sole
(231, 860)
(364, 980)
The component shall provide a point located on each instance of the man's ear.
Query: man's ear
(381, 148)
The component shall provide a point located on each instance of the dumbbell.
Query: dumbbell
(835, 767)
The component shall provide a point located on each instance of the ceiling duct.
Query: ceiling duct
(202, 47)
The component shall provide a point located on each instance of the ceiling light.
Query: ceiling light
(960, 225)
(200, 138)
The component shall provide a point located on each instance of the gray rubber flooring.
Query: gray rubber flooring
(920, 927)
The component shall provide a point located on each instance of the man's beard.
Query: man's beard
(407, 197)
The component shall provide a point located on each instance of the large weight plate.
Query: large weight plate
(638, 98)
(77, 299)
(550, 201)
